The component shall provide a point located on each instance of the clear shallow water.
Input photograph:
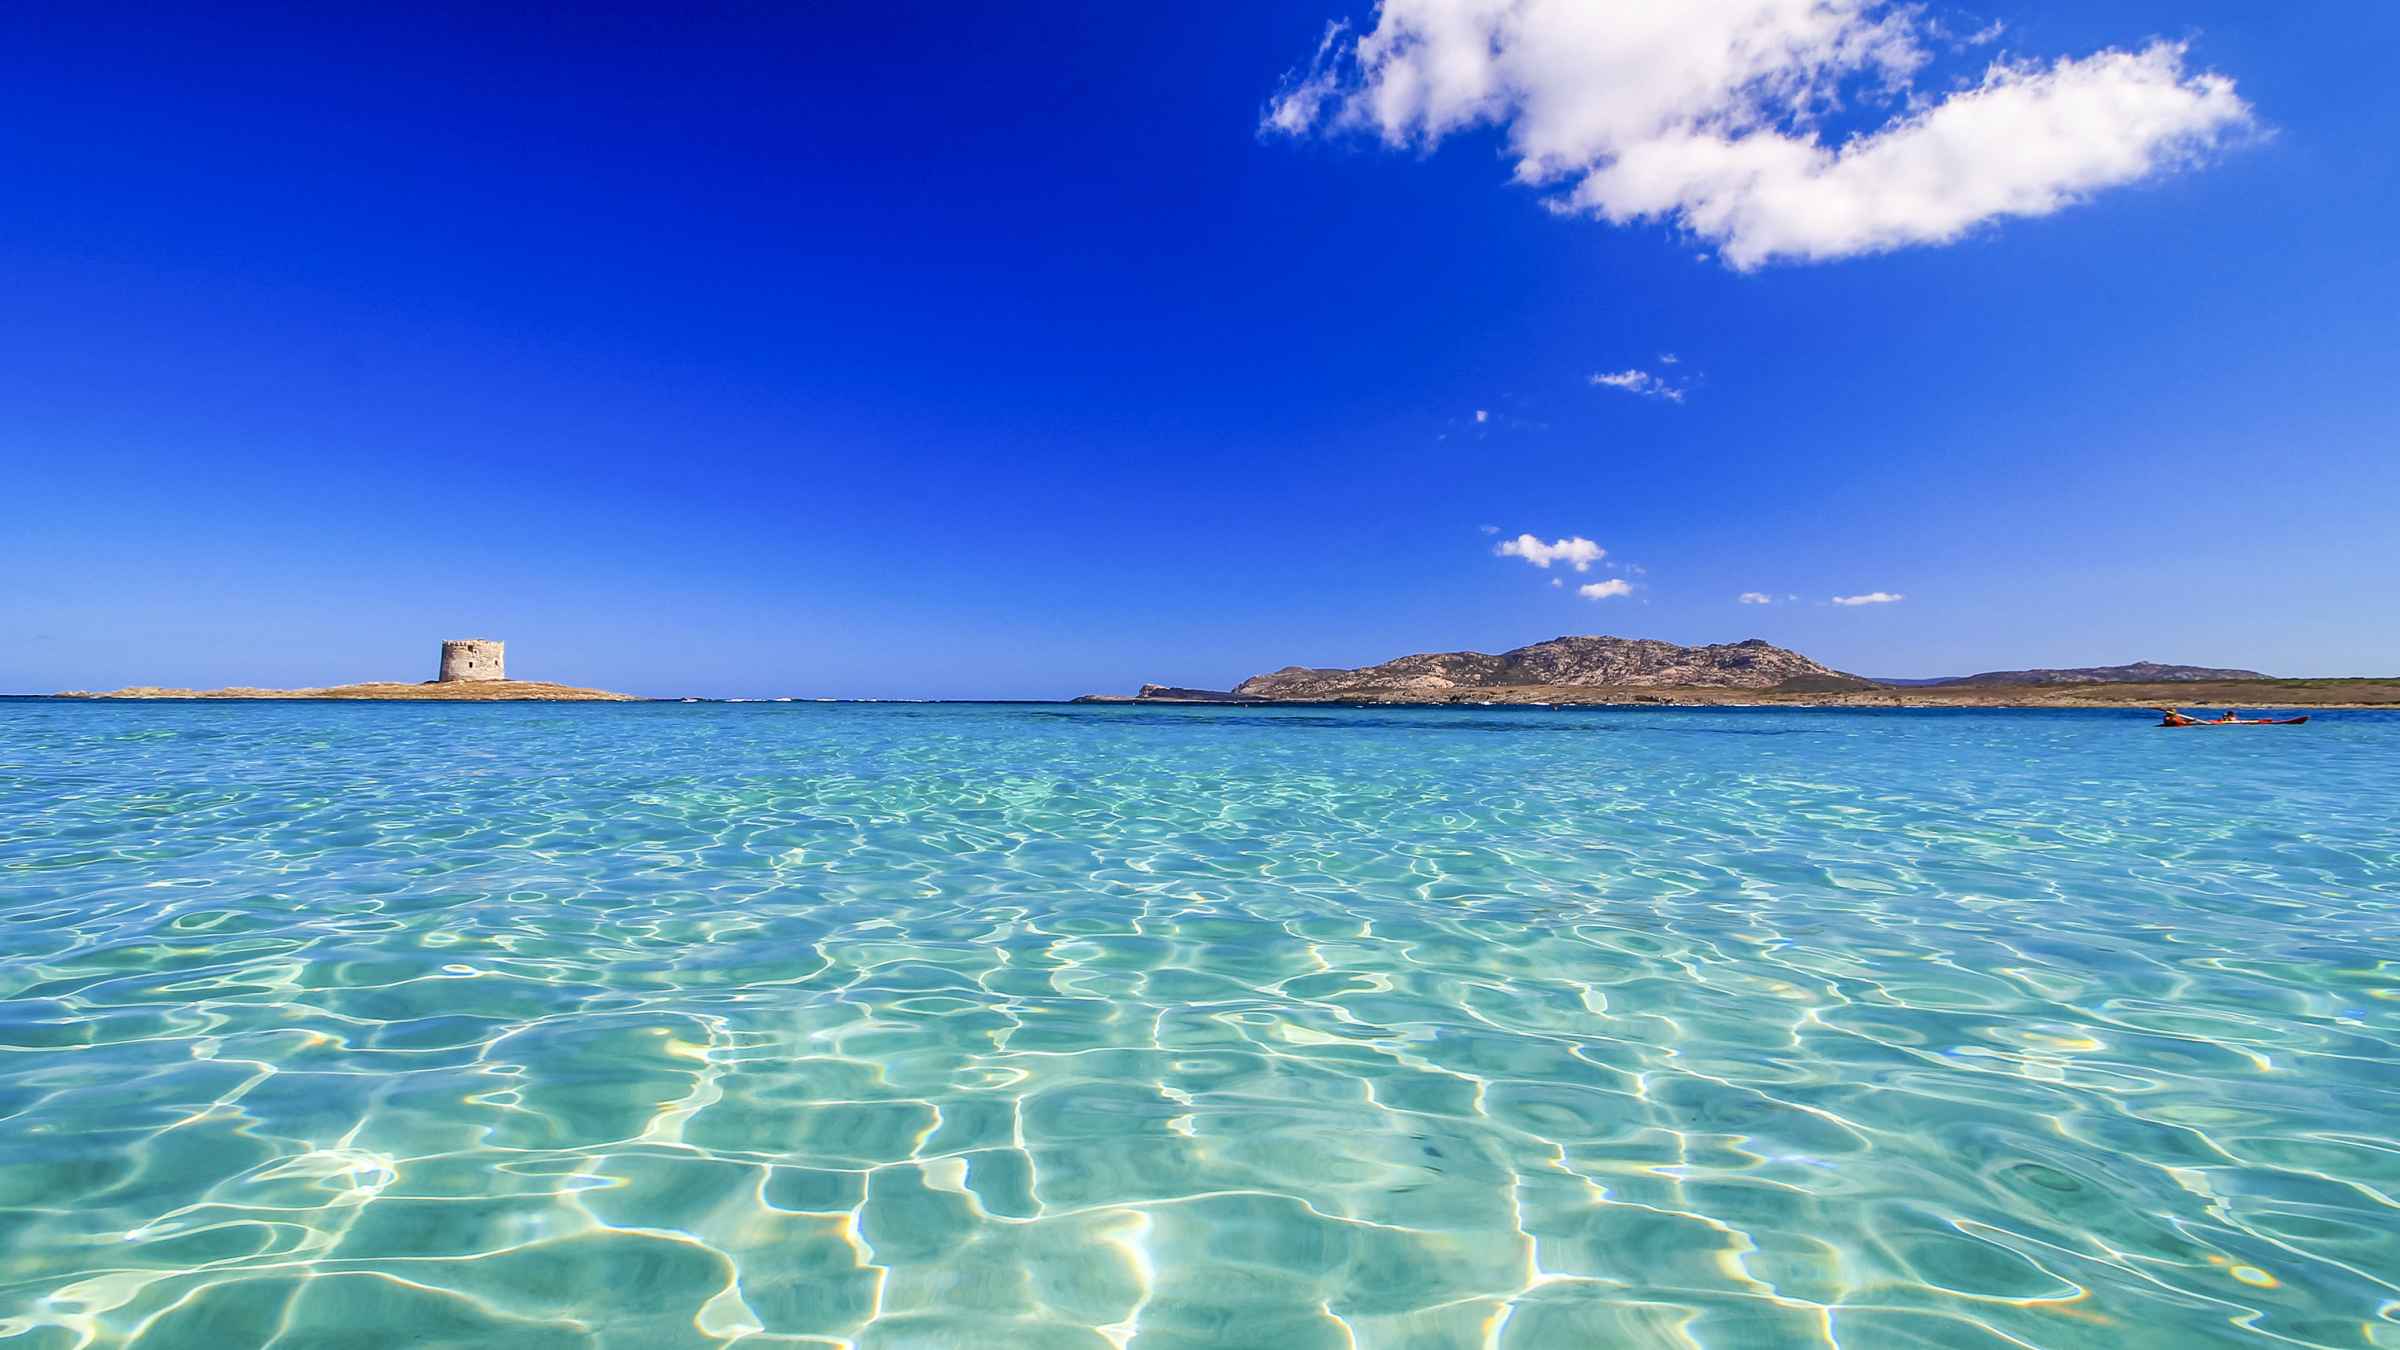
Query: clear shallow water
(653, 1026)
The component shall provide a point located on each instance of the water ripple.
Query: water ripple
(967, 1026)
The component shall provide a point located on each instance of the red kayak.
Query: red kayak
(2251, 722)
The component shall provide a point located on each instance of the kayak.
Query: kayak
(2251, 722)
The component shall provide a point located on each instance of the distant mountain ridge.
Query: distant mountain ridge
(2137, 672)
(1583, 661)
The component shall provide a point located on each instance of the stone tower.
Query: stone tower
(472, 659)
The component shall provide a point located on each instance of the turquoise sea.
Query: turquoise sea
(368, 1025)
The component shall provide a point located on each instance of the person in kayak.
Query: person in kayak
(2177, 717)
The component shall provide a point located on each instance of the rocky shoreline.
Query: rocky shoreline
(1628, 672)
(2304, 694)
(2299, 694)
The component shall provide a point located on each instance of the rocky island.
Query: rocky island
(472, 670)
(1615, 670)
(1574, 662)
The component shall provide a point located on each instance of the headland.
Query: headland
(1595, 670)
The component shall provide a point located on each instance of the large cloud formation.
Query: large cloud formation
(1710, 115)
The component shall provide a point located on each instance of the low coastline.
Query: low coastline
(2329, 694)
(2326, 693)
(441, 691)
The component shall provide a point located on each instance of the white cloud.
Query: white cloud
(1555, 582)
(1489, 529)
(1304, 94)
(1985, 35)
(1668, 358)
(1757, 598)
(1707, 115)
(1482, 415)
(1579, 552)
(1870, 598)
(1602, 590)
(1639, 382)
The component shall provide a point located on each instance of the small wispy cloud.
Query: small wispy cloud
(1306, 92)
(1870, 598)
(1483, 415)
(1668, 358)
(1577, 552)
(1757, 598)
(1640, 382)
(1604, 590)
(1489, 529)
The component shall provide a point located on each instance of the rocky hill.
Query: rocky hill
(2138, 672)
(1613, 662)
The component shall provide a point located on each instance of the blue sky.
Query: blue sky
(962, 352)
